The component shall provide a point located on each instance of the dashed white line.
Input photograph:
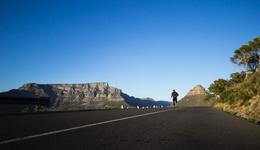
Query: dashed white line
(78, 127)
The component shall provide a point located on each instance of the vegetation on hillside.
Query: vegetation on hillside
(242, 89)
(247, 55)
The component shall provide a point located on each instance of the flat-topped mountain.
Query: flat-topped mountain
(197, 96)
(80, 96)
(72, 96)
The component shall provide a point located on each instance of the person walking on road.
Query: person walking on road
(174, 97)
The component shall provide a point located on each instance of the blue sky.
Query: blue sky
(146, 48)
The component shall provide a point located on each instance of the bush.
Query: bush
(237, 77)
(219, 86)
(228, 95)
(237, 91)
(25, 109)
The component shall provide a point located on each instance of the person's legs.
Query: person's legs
(175, 101)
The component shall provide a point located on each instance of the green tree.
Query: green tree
(219, 86)
(248, 55)
(237, 77)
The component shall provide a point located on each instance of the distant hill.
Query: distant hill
(143, 102)
(196, 97)
(79, 96)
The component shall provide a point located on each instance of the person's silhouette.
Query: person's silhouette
(174, 97)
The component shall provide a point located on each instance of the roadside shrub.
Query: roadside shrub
(237, 77)
(241, 91)
(219, 86)
(228, 95)
(25, 109)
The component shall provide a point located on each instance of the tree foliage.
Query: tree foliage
(218, 86)
(248, 55)
(238, 87)
(237, 77)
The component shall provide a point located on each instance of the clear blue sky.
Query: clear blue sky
(146, 48)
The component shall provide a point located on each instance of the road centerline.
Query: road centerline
(78, 127)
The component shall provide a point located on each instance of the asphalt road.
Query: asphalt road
(158, 129)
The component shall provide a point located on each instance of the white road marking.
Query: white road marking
(78, 127)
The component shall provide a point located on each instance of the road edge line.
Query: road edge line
(78, 127)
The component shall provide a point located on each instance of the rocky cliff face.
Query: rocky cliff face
(197, 90)
(197, 96)
(79, 96)
(73, 96)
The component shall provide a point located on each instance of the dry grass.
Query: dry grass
(250, 110)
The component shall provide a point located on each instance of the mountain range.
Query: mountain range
(64, 97)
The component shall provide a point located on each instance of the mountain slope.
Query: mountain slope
(196, 97)
(143, 102)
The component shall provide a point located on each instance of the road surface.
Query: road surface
(153, 129)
